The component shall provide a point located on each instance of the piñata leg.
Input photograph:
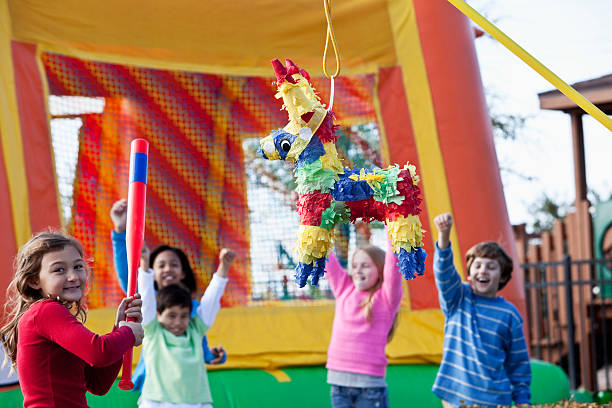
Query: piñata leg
(406, 235)
(314, 244)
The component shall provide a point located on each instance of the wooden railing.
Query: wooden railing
(561, 311)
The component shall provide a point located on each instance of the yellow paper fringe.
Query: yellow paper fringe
(372, 179)
(330, 159)
(297, 148)
(313, 243)
(405, 232)
(413, 174)
(298, 99)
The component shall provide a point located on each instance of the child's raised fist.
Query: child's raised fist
(226, 257)
(219, 353)
(118, 215)
(443, 222)
(145, 255)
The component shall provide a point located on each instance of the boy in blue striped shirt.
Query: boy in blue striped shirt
(485, 360)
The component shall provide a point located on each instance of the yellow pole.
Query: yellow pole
(533, 63)
(10, 135)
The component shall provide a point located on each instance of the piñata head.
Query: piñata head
(330, 194)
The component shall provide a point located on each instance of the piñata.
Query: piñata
(330, 194)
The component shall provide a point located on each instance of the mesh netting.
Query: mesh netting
(206, 186)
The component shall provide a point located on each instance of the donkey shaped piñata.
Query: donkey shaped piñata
(330, 194)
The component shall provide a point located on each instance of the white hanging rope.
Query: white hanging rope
(331, 93)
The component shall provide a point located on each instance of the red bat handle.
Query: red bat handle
(134, 234)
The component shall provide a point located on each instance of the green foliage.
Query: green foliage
(507, 126)
(594, 197)
(545, 211)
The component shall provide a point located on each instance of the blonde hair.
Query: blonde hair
(21, 296)
(378, 257)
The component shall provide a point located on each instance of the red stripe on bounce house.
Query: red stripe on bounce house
(42, 192)
(470, 160)
(402, 148)
(8, 243)
(36, 139)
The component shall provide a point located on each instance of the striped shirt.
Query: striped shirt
(485, 360)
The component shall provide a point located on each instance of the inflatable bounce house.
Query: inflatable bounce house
(80, 80)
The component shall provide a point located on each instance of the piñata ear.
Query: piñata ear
(280, 72)
(291, 67)
(294, 69)
(305, 74)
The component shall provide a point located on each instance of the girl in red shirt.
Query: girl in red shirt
(58, 360)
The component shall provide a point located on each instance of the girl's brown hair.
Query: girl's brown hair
(21, 296)
(378, 257)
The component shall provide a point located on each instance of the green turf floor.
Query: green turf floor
(409, 386)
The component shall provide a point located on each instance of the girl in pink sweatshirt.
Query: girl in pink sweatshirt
(367, 302)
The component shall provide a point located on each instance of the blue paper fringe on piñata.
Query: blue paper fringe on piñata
(412, 262)
(278, 136)
(312, 152)
(303, 271)
(346, 189)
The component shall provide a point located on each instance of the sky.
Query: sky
(573, 39)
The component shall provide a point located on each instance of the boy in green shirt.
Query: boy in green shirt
(176, 373)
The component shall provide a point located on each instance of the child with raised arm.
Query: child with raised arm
(367, 303)
(485, 360)
(176, 373)
(170, 265)
(57, 358)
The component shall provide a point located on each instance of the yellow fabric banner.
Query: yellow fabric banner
(217, 37)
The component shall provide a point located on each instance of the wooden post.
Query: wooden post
(584, 229)
(534, 301)
(520, 241)
(579, 240)
(552, 326)
(579, 167)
